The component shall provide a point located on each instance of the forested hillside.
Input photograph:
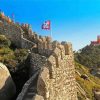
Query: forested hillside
(89, 56)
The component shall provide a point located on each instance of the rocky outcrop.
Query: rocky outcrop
(7, 86)
(38, 97)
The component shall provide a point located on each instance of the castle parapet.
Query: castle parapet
(2, 15)
(51, 66)
(5, 18)
(68, 47)
(46, 46)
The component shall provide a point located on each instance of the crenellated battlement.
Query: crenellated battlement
(47, 47)
(5, 18)
(56, 77)
(51, 63)
(23, 36)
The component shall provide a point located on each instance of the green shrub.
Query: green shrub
(4, 42)
(6, 54)
(20, 54)
(5, 50)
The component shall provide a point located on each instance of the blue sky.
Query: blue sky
(77, 21)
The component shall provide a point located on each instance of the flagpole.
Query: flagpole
(51, 30)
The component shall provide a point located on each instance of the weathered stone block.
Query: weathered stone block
(7, 86)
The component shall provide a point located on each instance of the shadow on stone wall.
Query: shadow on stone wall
(21, 76)
(8, 91)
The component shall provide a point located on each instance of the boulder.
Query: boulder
(38, 97)
(7, 86)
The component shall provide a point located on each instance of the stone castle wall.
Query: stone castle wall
(56, 78)
(15, 34)
(12, 31)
